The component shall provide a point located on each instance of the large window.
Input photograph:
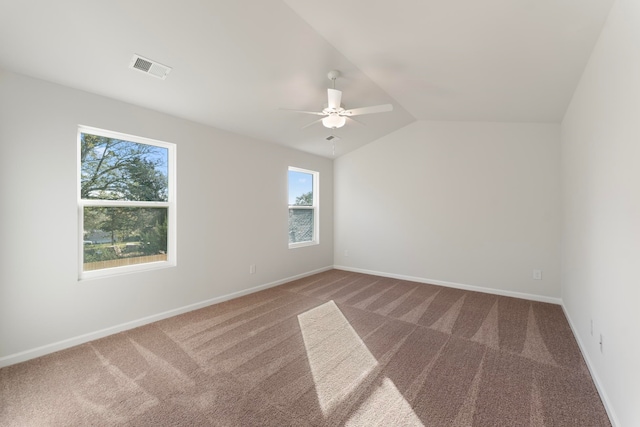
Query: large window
(303, 207)
(127, 212)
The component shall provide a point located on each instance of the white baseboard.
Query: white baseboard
(592, 371)
(522, 295)
(81, 339)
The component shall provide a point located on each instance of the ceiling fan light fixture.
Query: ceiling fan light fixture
(335, 115)
(334, 121)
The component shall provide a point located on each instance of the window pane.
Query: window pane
(300, 225)
(300, 188)
(113, 169)
(118, 236)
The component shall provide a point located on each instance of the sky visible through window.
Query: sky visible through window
(299, 184)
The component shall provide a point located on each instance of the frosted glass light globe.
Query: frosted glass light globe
(334, 121)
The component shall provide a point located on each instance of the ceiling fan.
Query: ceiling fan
(335, 116)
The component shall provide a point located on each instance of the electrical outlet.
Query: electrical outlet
(346, 252)
(252, 269)
(591, 327)
(537, 274)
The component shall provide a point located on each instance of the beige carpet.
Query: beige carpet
(337, 348)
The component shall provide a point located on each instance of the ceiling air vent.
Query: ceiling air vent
(148, 66)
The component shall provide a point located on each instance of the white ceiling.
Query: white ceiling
(235, 62)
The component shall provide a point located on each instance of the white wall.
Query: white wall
(601, 211)
(232, 212)
(473, 204)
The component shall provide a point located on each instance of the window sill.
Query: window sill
(117, 271)
(303, 244)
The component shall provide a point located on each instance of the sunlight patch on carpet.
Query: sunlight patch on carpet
(338, 358)
(340, 362)
(385, 407)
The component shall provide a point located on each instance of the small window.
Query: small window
(303, 207)
(127, 211)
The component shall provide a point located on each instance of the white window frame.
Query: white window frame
(315, 207)
(170, 205)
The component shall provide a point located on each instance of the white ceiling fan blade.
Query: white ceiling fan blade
(351, 119)
(367, 110)
(335, 97)
(316, 113)
(312, 123)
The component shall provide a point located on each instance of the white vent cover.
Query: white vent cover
(148, 66)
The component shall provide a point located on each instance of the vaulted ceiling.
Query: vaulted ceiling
(236, 62)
